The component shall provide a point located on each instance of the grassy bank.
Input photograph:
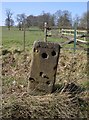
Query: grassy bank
(70, 97)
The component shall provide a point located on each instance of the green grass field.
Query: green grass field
(14, 38)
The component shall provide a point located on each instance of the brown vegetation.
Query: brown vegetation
(69, 99)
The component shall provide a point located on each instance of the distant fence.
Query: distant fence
(73, 36)
(71, 32)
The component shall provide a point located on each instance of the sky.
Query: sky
(36, 8)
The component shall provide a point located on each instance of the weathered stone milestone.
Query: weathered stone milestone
(43, 67)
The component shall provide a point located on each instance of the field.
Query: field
(70, 97)
(14, 38)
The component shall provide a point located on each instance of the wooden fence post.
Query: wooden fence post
(24, 35)
(45, 32)
(75, 27)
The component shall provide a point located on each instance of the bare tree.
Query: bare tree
(65, 20)
(84, 20)
(57, 15)
(21, 19)
(9, 21)
(76, 20)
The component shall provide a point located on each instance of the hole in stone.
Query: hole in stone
(44, 55)
(48, 82)
(31, 79)
(53, 53)
(35, 50)
(41, 73)
(45, 77)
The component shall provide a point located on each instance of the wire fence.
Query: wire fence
(25, 39)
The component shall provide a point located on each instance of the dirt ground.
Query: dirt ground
(69, 99)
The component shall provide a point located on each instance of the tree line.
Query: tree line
(61, 19)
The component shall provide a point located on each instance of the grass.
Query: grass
(14, 38)
(16, 67)
(17, 103)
